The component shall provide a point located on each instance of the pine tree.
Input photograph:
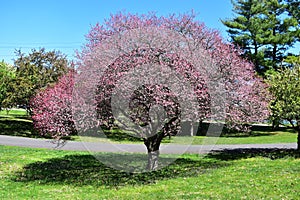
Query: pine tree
(281, 33)
(265, 30)
(293, 7)
(247, 29)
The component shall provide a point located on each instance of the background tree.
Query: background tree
(35, 71)
(247, 29)
(7, 74)
(292, 60)
(293, 8)
(285, 88)
(265, 30)
(281, 34)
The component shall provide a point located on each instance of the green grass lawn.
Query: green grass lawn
(54, 174)
(13, 113)
(256, 138)
(17, 123)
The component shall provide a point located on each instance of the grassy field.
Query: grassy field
(256, 138)
(27, 173)
(13, 113)
(17, 123)
(245, 174)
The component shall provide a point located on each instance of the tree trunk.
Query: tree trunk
(256, 61)
(152, 143)
(298, 131)
(153, 160)
(192, 128)
(275, 124)
(274, 51)
(298, 140)
(274, 56)
(298, 137)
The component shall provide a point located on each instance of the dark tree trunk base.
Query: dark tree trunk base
(152, 144)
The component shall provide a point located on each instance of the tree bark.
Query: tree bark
(153, 160)
(298, 131)
(256, 61)
(274, 56)
(192, 128)
(255, 51)
(298, 140)
(275, 124)
(152, 143)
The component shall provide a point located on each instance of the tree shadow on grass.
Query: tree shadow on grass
(87, 170)
(236, 154)
(118, 135)
(17, 127)
(257, 131)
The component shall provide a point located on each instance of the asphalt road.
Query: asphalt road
(131, 148)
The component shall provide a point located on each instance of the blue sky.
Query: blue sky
(62, 24)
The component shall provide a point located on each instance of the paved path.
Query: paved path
(139, 148)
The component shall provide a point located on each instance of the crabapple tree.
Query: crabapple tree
(51, 108)
(147, 75)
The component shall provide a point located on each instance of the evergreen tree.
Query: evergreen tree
(293, 7)
(247, 29)
(281, 33)
(265, 30)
